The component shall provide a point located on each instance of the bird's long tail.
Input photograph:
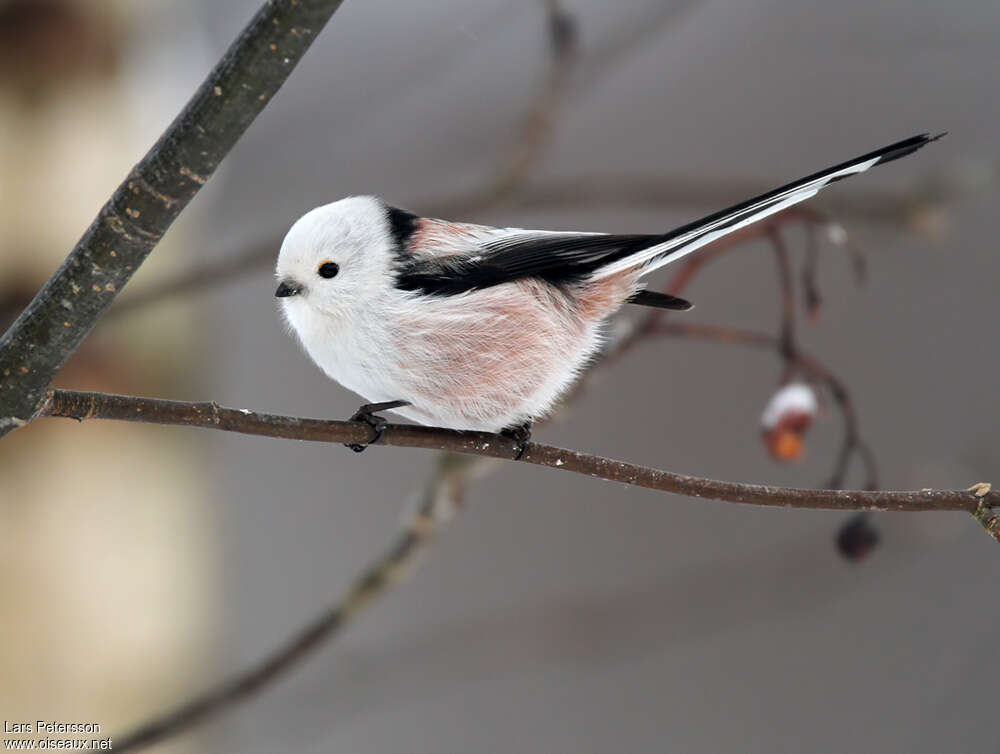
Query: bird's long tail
(682, 241)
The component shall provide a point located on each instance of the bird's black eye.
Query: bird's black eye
(328, 270)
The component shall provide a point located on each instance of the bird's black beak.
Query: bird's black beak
(288, 288)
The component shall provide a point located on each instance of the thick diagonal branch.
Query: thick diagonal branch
(150, 198)
(81, 406)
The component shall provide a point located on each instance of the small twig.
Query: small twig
(536, 128)
(694, 264)
(199, 278)
(852, 441)
(82, 405)
(984, 513)
(441, 497)
(656, 22)
(653, 323)
(868, 461)
(540, 120)
(813, 300)
(786, 338)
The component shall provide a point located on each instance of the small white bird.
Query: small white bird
(474, 327)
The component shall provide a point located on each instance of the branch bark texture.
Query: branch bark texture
(81, 406)
(150, 198)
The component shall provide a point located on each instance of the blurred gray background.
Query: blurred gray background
(565, 614)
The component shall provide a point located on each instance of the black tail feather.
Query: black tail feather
(660, 301)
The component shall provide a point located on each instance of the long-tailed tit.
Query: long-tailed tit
(474, 327)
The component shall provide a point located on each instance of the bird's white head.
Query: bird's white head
(335, 260)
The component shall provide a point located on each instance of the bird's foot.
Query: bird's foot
(367, 415)
(521, 434)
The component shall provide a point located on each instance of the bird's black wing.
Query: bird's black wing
(557, 258)
(561, 258)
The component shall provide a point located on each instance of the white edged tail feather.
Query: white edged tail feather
(688, 238)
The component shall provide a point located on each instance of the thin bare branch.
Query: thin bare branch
(442, 496)
(984, 513)
(694, 264)
(200, 278)
(787, 299)
(83, 405)
(540, 120)
(812, 299)
(813, 370)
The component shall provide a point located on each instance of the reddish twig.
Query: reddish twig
(786, 339)
(810, 367)
(812, 298)
(442, 496)
(200, 278)
(83, 405)
(540, 120)
(694, 264)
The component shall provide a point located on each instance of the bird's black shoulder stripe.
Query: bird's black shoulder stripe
(402, 225)
(558, 259)
(433, 278)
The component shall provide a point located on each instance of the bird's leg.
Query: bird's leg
(367, 415)
(520, 434)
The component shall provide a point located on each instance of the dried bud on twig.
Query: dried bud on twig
(787, 418)
(857, 537)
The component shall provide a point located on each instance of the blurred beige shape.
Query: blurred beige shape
(106, 560)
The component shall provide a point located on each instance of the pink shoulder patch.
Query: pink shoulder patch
(440, 238)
